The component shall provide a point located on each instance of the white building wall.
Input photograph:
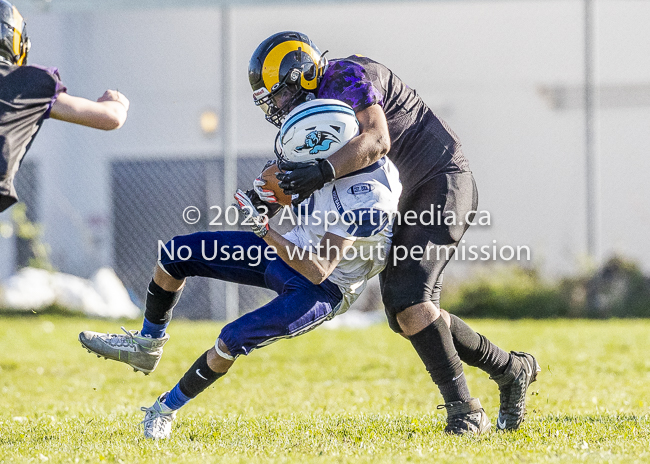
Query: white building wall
(478, 64)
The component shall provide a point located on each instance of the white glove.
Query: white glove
(258, 222)
(265, 195)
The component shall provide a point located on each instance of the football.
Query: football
(272, 184)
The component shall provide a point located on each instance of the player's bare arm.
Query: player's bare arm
(370, 145)
(314, 266)
(109, 112)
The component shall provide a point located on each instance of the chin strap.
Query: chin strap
(323, 64)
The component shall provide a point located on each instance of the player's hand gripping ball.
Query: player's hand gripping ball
(258, 222)
(267, 188)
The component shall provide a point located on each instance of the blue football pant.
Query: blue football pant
(244, 258)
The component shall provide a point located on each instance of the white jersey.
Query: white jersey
(360, 206)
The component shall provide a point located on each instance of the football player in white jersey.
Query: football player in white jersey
(318, 269)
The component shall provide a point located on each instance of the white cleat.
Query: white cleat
(158, 420)
(140, 352)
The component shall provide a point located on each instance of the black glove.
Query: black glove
(267, 209)
(304, 178)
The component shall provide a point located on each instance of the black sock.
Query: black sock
(195, 380)
(160, 304)
(435, 346)
(476, 350)
(198, 377)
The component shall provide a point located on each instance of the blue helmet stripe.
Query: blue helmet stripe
(311, 111)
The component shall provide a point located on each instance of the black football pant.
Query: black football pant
(442, 207)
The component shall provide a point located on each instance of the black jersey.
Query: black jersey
(422, 145)
(26, 97)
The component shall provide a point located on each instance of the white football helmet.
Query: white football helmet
(316, 129)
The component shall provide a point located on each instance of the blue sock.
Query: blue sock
(176, 399)
(153, 330)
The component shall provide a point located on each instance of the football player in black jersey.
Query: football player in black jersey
(288, 69)
(31, 94)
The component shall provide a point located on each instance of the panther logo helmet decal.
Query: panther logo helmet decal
(317, 141)
(315, 130)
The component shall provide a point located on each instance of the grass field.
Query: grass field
(349, 396)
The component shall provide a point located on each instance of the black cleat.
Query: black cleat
(466, 417)
(513, 385)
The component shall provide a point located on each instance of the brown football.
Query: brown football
(268, 176)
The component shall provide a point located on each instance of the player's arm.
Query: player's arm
(372, 143)
(107, 113)
(314, 266)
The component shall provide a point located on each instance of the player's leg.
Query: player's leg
(208, 254)
(473, 348)
(211, 254)
(431, 338)
(408, 284)
(207, 369)
(513, 372)
(300, 306)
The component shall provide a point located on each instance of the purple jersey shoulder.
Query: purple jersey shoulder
(349, 82)
(54, 73)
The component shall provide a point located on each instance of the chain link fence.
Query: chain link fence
(147, 200)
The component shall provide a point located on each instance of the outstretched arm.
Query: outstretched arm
(107, 113)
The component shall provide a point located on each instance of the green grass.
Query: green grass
(348, 396)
